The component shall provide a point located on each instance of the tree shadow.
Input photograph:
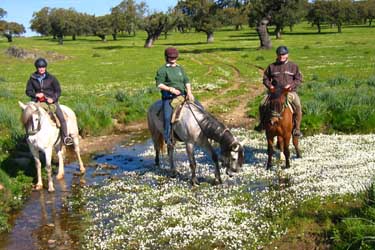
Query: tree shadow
(185, 44)
(110, 47)
(240, 39)
(213, 50)
(247, 34)
(307, 33)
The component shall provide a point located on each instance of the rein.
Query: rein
(33, 132)
(221, 134)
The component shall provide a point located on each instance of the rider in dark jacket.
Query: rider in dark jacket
(44, 87)
(285, 74)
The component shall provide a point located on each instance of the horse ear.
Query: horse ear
(22, 105)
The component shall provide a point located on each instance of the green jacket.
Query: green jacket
(173, 77)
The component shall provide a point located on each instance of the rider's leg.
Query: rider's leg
(167, 111)
(298, 113)
(64, 129)
(262, 109)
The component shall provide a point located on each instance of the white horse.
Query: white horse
(196, 127)
(43, 134)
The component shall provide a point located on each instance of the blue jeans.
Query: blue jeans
(167, 110)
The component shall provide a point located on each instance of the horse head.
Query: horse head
(277, 104)
(30, 118)
(232, 158)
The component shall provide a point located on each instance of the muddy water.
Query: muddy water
(50, 220)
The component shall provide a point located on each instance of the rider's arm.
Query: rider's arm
(267, 79)
(297, 78)
(30, 91)
(189, 94)
(164, 87)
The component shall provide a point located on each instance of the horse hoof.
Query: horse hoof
(82, 170)
(218, 181)
(38, 187)
(174, 173)
(60, 176)
(194, 183)
(51, 190)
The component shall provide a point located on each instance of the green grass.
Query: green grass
(115, 80)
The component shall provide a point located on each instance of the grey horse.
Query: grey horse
(195, 127)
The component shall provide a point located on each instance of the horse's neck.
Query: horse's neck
(211, 128)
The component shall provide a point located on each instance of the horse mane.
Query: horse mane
(27, 112)
(214, 129)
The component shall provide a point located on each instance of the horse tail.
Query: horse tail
(154, 128)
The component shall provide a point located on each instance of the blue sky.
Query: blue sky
(21, 11)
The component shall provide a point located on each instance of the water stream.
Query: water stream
(47, 222)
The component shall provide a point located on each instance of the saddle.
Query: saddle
(177, 104)
(51, 111)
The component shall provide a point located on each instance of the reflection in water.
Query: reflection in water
(46, 222)
(52, 220)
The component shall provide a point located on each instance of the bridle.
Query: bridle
(33, 130)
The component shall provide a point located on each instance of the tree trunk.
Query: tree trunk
(339, 28)
(319, 27)
(74, 37)
(278, 32)
(149, 42)
(103, 38)
(291, 28)
(264, 38)
(210, 37)
(370, 22)
(9, 37)
(60, 39)
(114, 36)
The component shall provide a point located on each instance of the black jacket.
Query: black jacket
(49, 86)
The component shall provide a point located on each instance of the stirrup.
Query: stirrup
(68, 141)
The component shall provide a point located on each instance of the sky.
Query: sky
(21, 11)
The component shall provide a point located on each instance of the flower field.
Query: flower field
(147, 209)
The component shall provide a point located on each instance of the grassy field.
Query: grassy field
(115, 80)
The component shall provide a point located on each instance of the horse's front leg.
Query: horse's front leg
(171, 160)
(78, 154)
(270, 152)
(193, 164)
(60, 156)
(287, 152)
(281, 144)
(38, 166)
(215, 159)
(48, 154)
(295, 143)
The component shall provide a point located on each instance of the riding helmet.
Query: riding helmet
(171, 52)
(282, 50)
(40, 63)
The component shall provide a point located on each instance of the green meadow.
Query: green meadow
(113, 81)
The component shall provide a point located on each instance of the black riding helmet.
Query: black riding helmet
(40, 63)
(171, 52)
(282, 50)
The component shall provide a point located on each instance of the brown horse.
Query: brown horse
(279, 122)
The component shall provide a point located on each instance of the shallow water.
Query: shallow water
(48, 222)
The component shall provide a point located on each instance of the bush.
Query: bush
(92, 118)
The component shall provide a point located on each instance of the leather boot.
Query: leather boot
(297, 129)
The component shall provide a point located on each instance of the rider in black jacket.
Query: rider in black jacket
(44, 87)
